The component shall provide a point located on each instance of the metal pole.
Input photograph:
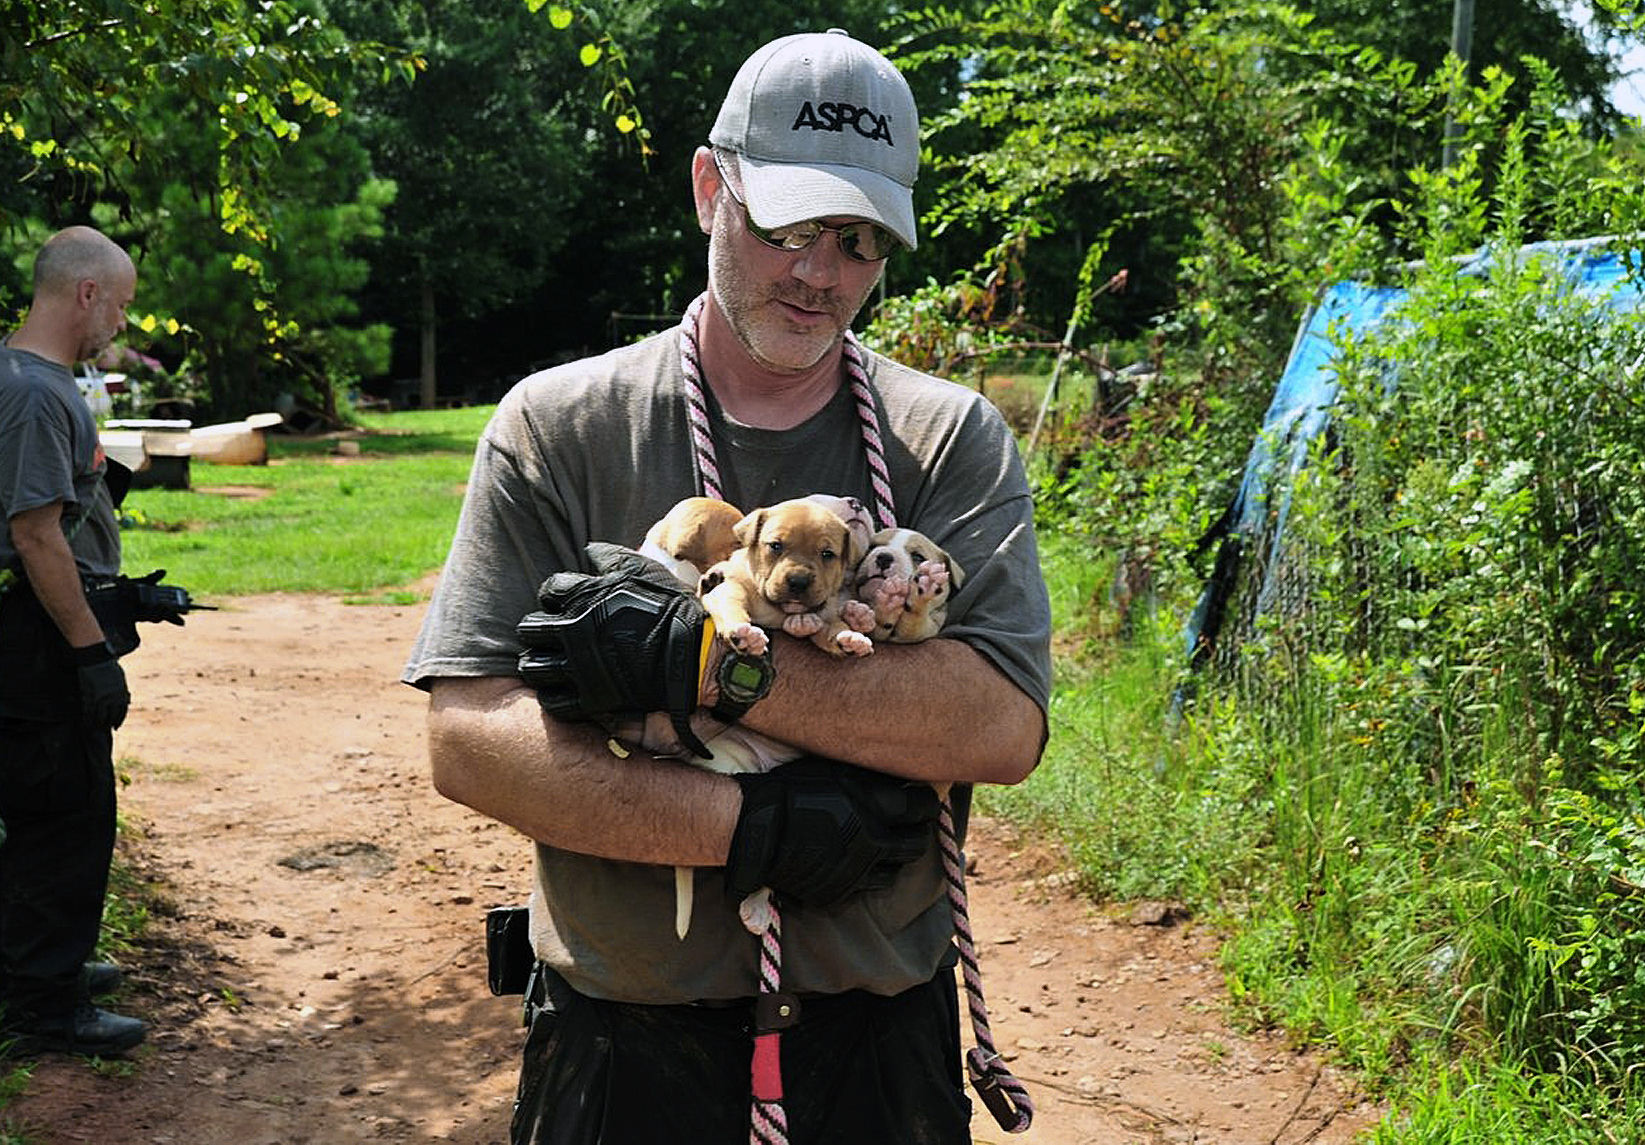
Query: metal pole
(1462, 36)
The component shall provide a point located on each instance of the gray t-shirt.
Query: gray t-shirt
(49, 451)
(599, 450)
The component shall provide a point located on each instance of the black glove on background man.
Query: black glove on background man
(104, 698)
(816, 830)
(624, 642)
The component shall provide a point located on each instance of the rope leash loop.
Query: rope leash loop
(1001, 1093)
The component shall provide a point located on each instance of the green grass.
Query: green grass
(311, 520)
(1115, 786)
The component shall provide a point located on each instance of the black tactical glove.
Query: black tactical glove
(816, 830)
(154, 602)
(625, 641)
(104, 698)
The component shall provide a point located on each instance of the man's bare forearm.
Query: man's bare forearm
(937, 711)
(54, 578)
(492, 749)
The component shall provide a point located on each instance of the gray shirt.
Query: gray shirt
(49, 451)
(599, 450)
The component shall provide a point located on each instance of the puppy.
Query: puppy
(851, 511)
(792, 568)
(692, 537)
(906, 579)
(900, 580)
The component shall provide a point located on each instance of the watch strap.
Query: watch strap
(729, 711)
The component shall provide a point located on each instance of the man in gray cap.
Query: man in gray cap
(761, 394)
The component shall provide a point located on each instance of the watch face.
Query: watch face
(745, 675)
(744, 679)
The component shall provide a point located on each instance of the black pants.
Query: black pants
(857, 1068)
(57, 802)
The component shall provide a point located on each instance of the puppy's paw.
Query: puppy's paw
(710, 580)
(891, 597)
(858, 616)
(854, 643)
(748, 638)
(803, 624)
(930, 579)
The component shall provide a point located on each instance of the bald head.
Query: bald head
(83, 283)
(74, 255)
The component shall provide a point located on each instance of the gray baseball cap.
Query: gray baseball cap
(823, 125)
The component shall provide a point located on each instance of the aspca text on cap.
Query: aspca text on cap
(837, 117)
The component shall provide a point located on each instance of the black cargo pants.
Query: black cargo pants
(57, 801)
(858, 1067)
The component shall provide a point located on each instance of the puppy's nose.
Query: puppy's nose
(882, 561)
(799, 581)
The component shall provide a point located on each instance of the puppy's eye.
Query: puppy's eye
(775, 547)
(829, 555)
(919, 558)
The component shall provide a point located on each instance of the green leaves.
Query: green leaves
(619, 99)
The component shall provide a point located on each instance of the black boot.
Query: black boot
(101, 978)
(89, 1031)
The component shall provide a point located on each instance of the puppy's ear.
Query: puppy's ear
(956, 575)
(747, 530)
(852, 551)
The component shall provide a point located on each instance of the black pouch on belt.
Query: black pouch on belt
(509, 956)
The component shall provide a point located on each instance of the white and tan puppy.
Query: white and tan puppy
(851, 511)
(792, 569)
(906, 579)
(696, 534)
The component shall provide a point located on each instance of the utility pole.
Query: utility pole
(1462, 37)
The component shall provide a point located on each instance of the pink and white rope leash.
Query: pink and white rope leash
(1001, 1092)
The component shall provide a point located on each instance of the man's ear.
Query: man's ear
(85, 292)
(705, 187)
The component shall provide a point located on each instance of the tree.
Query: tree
(123, 114)
(77, 78)
(1217, 148)
(488, 150)
(262, 320)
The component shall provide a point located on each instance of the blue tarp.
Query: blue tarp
(1303, 398)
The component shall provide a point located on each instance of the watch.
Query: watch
(743, 680)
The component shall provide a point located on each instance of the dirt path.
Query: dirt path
(316, 976)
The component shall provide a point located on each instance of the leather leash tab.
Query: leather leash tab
(773, 1012)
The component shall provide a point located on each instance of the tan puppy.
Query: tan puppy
(907, 580)
(694, 535)
(792, 569)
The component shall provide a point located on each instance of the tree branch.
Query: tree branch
(84, 29)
